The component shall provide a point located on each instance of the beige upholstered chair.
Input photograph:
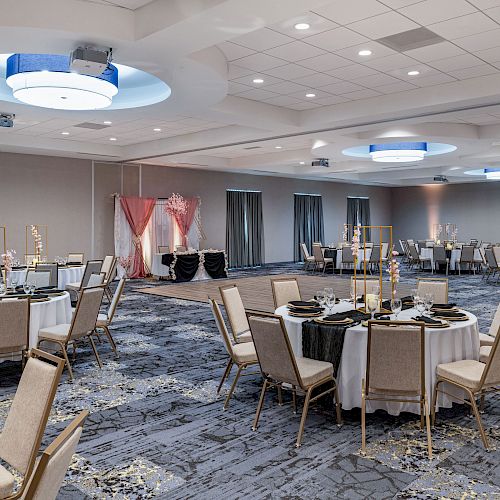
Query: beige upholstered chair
(438, 287)
(474, 377)
(104, 320)
(163, 249)
(242, 355)
(14, 327)
(108, 279)
(235, 313)
(309, 260)
(29, 259)
(39, 278)
(488, 339)
(347, 258)
(82, 325)
(95, 279)
(180, 248)
(320, 261)
(280, 366)
(54, 462)
(92, 267)
(107, 262)
(372, 286)
(467, 259)
(395, 369)
(439, 257)
(75, 258)
(284, 290)
(53, 269)
(24, 427)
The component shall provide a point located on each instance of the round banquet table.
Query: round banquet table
(459, 341)
(65, 275)
(427, 253)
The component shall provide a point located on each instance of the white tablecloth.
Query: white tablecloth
(427, 253)
(459, 341)
(157, 268)
(65, 275)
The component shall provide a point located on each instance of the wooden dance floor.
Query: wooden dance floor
(256, 291)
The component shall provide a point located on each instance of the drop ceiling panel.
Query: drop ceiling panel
(434, 52)
(234, 51)
(325, 62)
(262, 39)
(480, 41)
(336, 39)
(295, 51)
(464, 26)
(343, 12)
(383, 25)
(432, 11)
(457, 62)
(289, 72)
(317, 24)
(259, 62)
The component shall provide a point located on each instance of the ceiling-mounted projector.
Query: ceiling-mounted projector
(441, 178)
(7, 120)
(89, 61)
(320, 162)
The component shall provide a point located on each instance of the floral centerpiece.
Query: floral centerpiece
(8, 263)
(126, 263)
(345, 233)
(175, 205)
(38, 240)
(393, 270)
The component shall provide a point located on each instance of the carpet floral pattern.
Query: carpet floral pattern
(157, 429)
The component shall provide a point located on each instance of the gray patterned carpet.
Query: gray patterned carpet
(157, 429)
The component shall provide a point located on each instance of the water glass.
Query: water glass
(396, 306)
(420, 305)
(320, 297)
(429, 302)
(371, 303)
(26, 288)
(329, 292)
(13, 282)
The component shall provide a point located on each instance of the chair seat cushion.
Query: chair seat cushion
(484, 353)
(245, 337)
(310, 259)
(328, 260)
(313, 370)
(466, 372)
(485, 339)
(245, 352)
(57, 332)
(102, 320)
(6, 482)
(73, 286)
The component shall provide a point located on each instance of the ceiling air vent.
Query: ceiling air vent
(90, 125)
(412, 39)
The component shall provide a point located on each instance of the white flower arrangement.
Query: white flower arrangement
(393, 268)
(38, 240)
(8, 260)
(175, 205)
(355, 241)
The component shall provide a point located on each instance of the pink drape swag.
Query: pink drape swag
(184, 221)
(138, 211)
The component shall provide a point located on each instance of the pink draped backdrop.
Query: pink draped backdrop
(138, 211)
(184, 221)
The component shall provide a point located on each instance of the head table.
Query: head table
(65, 275)
(459, 341)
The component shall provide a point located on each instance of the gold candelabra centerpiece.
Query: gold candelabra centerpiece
(37, 237)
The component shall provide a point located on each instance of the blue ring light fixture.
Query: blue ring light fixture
(45, 80)
(399, 152)
(492, 174)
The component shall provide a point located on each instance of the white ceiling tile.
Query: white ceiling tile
(289, 72)
(295, 51)
(260, 62)
(457, 62)
(489, 55)
(425, 71)
(434, 52)
(343, 12)
(485, 4)
(304, 105)
(474, 72)
(329, 101)
(262, 39)
(377, 80)
(317, 24)
(397, 4)
(396, 87)
(388, 63)
(336, 39)
(302, 95)
(480, 41)
(463, 26)
(325, 62)
(236, 88)
(286, 88)
(378, 50)
(317, 80)
(352, 72)
(283, 100)
(494, 13)
(434, 11)
(258, 94)
(437, 79)
(233, 51)
(361, 94)
(248, 80)
(382, 25)
(234, 72)
(342, 88)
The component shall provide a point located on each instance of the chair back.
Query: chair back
(235, 310)
(436, 286)
(75, 258)
(372, 286)
(375, 255)
(496, 253)
(491, 372)
(180, 248)
(55, 461)
(495, 324)
(86, 312)
(39, 278)
(25, 424)
(318, 253)
(95, 279)
(163, 249)
(14, 325)
(395, 361)
(421, 244)
(305, 251)
(385, 250)
(467, 254)
(92, 267)
(439, 253)
(221, 326)
(413, 252)
(490, 258)
(116, 298)
(347, 256)
(110, 275)
(53, 269)
(285, 290)
(273, 348)
(107, 263)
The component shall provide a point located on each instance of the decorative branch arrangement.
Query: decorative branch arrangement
(38, 240)
(393, 270)
(175, 205)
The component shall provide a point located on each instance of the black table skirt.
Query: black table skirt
(186, 265)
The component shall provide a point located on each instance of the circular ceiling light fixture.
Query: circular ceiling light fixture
(112, 138)
(107, 122)
(433, 149)
(310, 95)
(413, 73)
(365, 52)
(398, 152)
(278, 147)
(492, 174)
(45, 80)
(302, 26)
(258, 80)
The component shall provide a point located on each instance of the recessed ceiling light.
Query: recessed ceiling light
(302, 26)
(64, 133)
(365, 52)
(278, 147)
(258, 80)
(302, 162)
(310, 95)
(413, 73)
(107, 123)
(157, 130)
(112, 138)
(455, 168)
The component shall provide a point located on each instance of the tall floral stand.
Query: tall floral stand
(37, 241)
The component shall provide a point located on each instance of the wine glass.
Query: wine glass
(420, 305)
(371, 303)
(429, 302)
(14, 281)
(329, 292)
(320, 297)
(26, 287)
(32, 287)
(396, 306)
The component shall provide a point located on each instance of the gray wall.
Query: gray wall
(475, 208)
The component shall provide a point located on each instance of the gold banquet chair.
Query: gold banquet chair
(240, 354)
(280, 366)
(395, 369)
(489, 338)
(24, 427)
(75, 258)
(82, 325)
(284, 290)
(473, 377)
(54, 462)
(438, 287)
(236, 315)
(14, 327)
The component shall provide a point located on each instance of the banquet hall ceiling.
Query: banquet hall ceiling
(211, 51)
